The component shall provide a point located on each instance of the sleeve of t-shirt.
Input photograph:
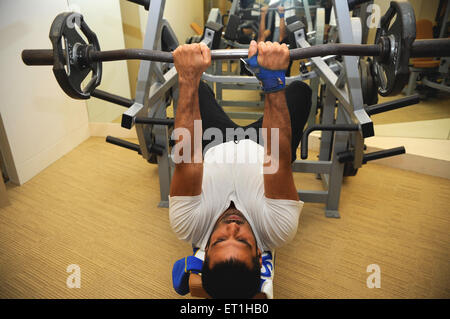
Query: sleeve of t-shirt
(184, 216)
(279, 221)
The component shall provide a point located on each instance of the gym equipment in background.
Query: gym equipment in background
(342, 141)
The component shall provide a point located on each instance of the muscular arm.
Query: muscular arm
(187, 177)
(279, 185)
(190, 62)
(262, 25)
(282, 25)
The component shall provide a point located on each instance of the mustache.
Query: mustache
(232, 211)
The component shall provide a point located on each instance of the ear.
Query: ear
(260, 256)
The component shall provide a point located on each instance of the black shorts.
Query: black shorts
(298, 98)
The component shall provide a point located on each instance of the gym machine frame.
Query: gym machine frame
(157, 83)
(153, 87)
(346, 88)
(244, 82)
(350, 111)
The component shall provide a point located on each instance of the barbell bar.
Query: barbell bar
(419, 48)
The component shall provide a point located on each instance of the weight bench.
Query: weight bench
(186, 275)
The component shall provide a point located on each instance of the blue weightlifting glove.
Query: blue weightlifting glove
(271, 80)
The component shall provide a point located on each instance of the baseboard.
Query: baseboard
(111, 129)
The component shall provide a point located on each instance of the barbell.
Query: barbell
(73, 59)
(419, 48)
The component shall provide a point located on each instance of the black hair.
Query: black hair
(231, 279)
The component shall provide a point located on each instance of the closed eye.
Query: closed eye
(217, 241)
(245, 242)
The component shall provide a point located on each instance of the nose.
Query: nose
(233, 228)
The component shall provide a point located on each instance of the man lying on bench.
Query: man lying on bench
(230, 196)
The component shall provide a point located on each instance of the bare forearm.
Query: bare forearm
(278, 185)
(187, 177)
(276, 115)
(190, 60)
(262, 28)
(282, 29)
(188, 111)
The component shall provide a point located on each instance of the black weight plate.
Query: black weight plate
(371, 88)
(349, 170)
(373, 98)
(397, 32)
(69, 68)
(372, 91)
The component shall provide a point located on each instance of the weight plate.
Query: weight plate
(396, 34)
(371, 85)
(349, 169)
(70, 51)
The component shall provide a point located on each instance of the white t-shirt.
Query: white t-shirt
(233, 171)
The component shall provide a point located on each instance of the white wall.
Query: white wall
(104, 18)
(180, 15)
(40, 122)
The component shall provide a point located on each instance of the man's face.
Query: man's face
(232, 237)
